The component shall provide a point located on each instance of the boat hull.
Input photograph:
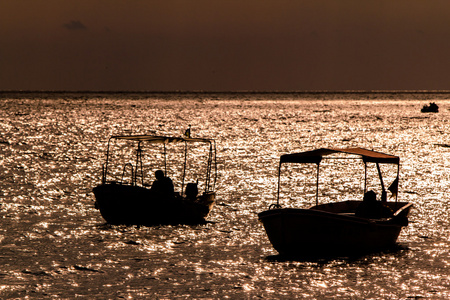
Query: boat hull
(306, 232)
(135, 205)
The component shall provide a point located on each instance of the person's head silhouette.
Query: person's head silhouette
(159, 174)
(370, 196)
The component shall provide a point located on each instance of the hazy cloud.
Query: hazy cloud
(75, 25)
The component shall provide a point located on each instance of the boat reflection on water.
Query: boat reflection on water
(137, 203)
(336, 228)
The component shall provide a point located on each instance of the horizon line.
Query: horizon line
(222, 92)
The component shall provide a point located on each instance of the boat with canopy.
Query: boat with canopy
(339, 227)
(125, 195)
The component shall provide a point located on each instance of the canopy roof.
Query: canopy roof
(316, 156)
(156, 139)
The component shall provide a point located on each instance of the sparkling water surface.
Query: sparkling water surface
(55, 244)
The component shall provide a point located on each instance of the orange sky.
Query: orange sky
(224, 45)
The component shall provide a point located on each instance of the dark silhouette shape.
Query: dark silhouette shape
(370, 208)
(393, 188)
(140, 203)
(191, 191)
(162, 186)
(433, 107)
(187, 133)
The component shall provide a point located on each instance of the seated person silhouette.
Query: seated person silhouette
(162, 187)
(191, 191)
(370, 208)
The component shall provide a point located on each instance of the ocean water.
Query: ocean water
(55, 244)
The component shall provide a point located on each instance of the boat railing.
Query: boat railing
(132, 173)
(137, 172)
(275, 206)
(402, 208)
(112, 178)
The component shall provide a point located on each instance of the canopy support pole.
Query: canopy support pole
(208, 169)
(279, 178)
(138, 163)
(215, 167)
(395, 188)
(106, 164)
(184, 168)
(165, 159)
(365, 177)
(398, 179)
(383, 190)
(317, 185)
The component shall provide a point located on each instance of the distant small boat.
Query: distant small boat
(336, 228)
(432, 107)
(135, 203)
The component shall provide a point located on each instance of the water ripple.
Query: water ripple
(54, 243)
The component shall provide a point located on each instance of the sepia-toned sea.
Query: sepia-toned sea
(54, 244)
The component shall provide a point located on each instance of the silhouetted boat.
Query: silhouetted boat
(334, 228)
(433, 107)
(135, 203)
